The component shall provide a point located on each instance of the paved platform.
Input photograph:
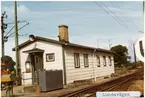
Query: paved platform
(99, 80)
(18, 91)
(57, 93)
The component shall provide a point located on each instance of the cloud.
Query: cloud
(86, 24)
(23, 9)
(20, 8)
(11, 44)
(24, 13)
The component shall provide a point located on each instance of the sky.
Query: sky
(89, 24)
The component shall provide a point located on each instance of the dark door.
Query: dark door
(37, 65)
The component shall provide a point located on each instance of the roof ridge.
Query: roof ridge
(62, 43)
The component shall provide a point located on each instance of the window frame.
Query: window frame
(48, 58)
(78, 66)
(110, 61)
(104, 61)
(98, 63)
(87, 60)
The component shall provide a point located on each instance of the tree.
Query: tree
(121, 56)
(9, 62)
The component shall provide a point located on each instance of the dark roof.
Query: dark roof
(38, 38)
(33, 50)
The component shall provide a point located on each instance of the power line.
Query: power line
(10, 35)
(114, 5)
(109, 40)
(17, 22)
(125, 16)
(18, 29)
(120, 12)
(115, 15)
(110, 14)
(9, 31)
(14, 26)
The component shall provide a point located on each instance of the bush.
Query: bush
(134, 65)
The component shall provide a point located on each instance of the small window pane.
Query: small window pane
(98, 61)
(86, 63)
(76, 60)
(110, 63)
(104, 60)
(50, 57)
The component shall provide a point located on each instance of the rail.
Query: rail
(107, 86)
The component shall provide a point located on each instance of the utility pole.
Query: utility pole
(109, 40)
(16, 44)
(143, 15)
(134, 53)
(3, 27)
(2, 35)
(98, 43)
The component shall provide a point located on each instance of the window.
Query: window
(98, 60)
(104, 60)
(50, 57)
(110, 61)
(76, 60)
(86, 63)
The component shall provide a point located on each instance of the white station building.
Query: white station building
(77, 62)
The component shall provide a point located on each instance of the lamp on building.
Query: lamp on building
(31, 37)
(27, 66)
(112, 59)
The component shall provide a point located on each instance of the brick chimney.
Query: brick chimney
(63, 33)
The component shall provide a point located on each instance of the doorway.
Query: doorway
(37, 65)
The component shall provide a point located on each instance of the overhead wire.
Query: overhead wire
(9, 31)
(18, 29)
(114, 5)
(108, 12)
(14, 26)
(115, 15)
(125, 16)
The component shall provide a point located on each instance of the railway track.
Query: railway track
(107, 86)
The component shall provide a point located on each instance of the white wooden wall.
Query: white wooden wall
(103, 70)
(73, 74)
(52, 48)
(48, 48)
(23, 58)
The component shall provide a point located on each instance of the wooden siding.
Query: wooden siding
(74, 74)
(48, 48)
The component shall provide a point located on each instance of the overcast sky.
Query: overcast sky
(87, 21)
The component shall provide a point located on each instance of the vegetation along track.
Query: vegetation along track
(107, 86)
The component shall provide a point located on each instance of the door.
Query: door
(37, 59)
(38, 62)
